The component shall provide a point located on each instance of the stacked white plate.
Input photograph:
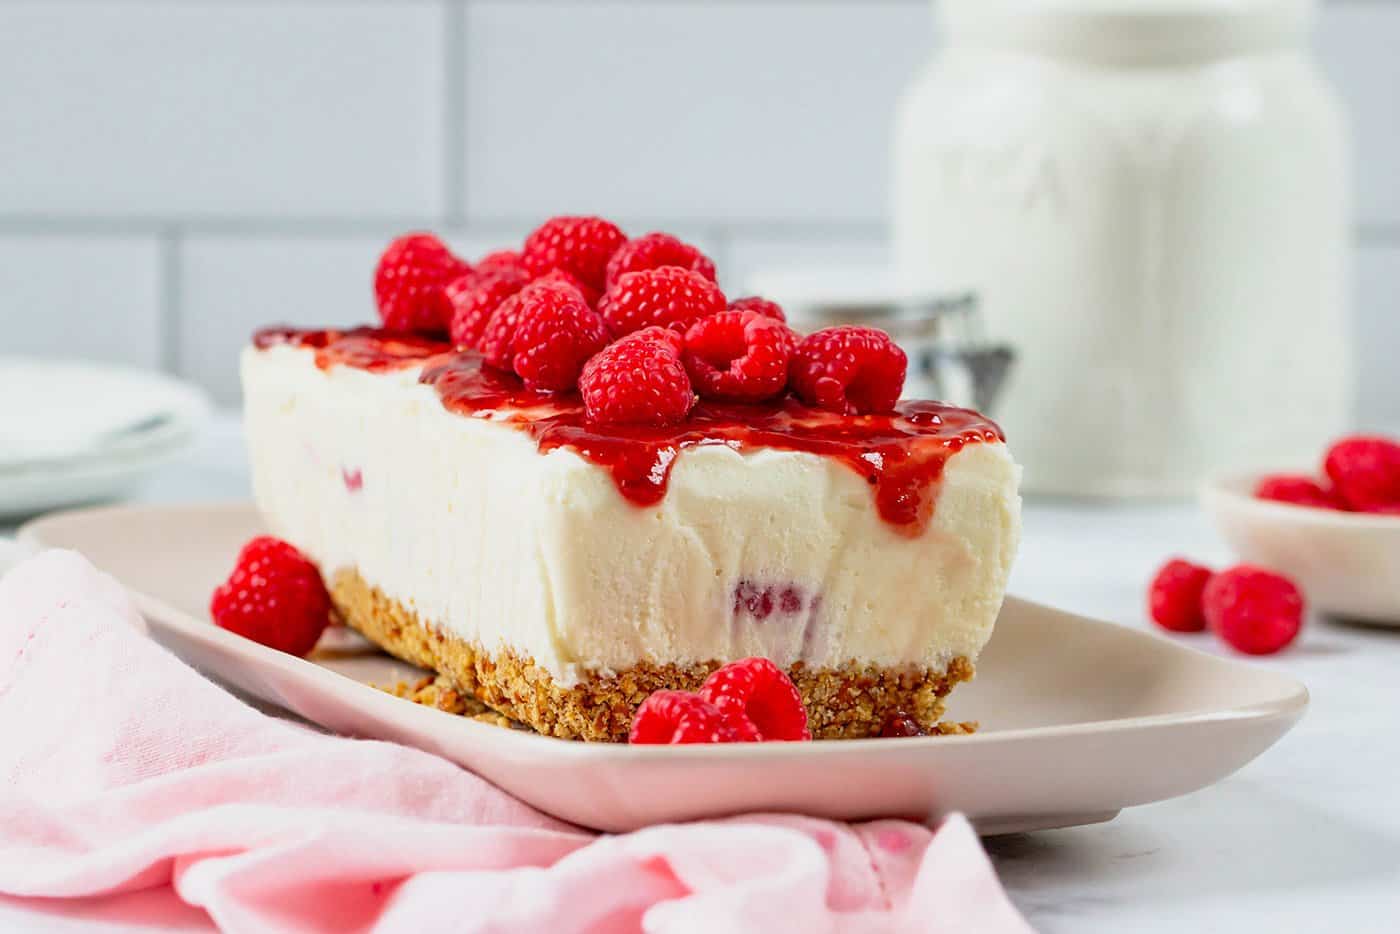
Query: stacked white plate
(74, 432)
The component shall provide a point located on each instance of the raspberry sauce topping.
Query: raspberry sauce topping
(901, 454)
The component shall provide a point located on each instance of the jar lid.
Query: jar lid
(1128, 32)
(815, 297)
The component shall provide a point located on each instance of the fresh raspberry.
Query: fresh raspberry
(274, 596)
(761, 305)
(1365, 472)
(669, 338)
(555, 335)
(1174, 596)
(848, 369)
(475, 297)
(1298, 490)
(757, 690)
(741, 356)
(408, 283)
(1254, 610)
(637, 380)
(669, 296)
(580, 245)
(502, 261)
(590, 294)
(655, 250)
(674, 717)
(497, 344)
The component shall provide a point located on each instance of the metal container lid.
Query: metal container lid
(941, 332)
(820, 297)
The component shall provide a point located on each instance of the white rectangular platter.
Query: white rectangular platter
(1079, 718)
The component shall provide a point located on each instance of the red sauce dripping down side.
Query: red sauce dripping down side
(900, 454)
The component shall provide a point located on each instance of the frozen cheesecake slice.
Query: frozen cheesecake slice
(561, 570)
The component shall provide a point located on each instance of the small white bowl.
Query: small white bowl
(1347, 563)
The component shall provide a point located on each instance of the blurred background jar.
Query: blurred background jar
(1151, 199)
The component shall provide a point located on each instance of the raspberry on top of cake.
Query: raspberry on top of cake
(584, 474)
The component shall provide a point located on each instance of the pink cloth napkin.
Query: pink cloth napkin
(122, 770)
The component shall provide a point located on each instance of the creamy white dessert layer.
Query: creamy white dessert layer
(770, 552)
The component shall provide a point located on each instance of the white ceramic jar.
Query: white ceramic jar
(1151, 198)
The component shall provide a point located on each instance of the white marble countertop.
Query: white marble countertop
(1306, 838)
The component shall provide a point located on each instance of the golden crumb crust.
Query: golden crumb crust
(842, 703)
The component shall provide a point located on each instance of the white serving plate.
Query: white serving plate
(94, 431)
(1346, 563)
(1080, 718)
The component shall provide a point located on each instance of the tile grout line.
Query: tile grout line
(170, 299)
(1383, 234)
(454, 115)
(1365, 233)
(334, 227)
(723, 244)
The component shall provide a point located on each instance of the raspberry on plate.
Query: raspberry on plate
(676, 717)
(555, 336)
(1254, 610)
(578, 245)
(1365, 472)
(668, 296)
(740, 356)
(848, 369)
(274, 596)
(653, 250)
(1298, 490)
(757, 690)
(475, 297)
(637, 380)
(1174, 597)
(763, 306)
(408, 283)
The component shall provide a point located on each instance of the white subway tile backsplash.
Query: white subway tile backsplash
(749, 256)
(1359, 44)
(87, 297)
(231, 286)
(221, 108)
(711, 112)
(1378, 331)
(278, 141)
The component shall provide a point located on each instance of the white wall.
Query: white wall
(173, 174)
